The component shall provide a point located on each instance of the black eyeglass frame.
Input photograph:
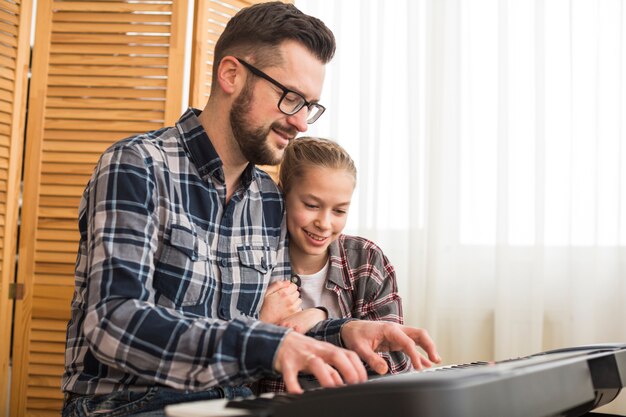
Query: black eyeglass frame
(316, 115)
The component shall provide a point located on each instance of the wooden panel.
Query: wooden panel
(14, 54)
(101, 71)
(210, 19)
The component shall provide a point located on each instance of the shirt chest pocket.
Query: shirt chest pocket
(183, 273)
(257, 262)
(256, 265)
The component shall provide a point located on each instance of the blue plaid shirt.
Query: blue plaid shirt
(170, 278)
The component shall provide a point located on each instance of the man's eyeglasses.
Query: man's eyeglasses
(290, 102)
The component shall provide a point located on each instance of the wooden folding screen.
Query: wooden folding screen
(15, 18)
(101, 70)
(210, 18)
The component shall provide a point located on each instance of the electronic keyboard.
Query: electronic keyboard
(565, 382)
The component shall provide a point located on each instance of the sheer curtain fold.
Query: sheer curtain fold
(490, 141)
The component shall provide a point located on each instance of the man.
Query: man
(181, 234)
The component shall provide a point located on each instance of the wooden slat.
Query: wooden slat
(47, 178)
(214, 27)
(110, 92)
(7, 51)
(58, 213)
(51, 269)
(217, 8)
(103, 103)
(74, 147)
(55, 336)
(99, 71)
(74, 168)
(6, 96)
(219, 18)
(96, 39)
(49, 325)
(5, 141)
(48, 279)
(10, 41)
(79, 158)
(46, 358)
(60, 236)
(68, 48)
(11, 18)
(45, 411)
(110, 126)
(62, 190)
(50, 292)
(51, 308)
(6, 84)
(50, 370)
(68, 129)
(107, 17)
(8, 28)
(7, 73)
(88, 114)
(81, 135)
(55, 245)
(7, 62)
(6, 107)
(60, 80)
(39, 392)
(75, 27)
(55, 224)
(118, 7)
(45, 381)
(122, 60)
(47, 347)
(5, 119)
(12, 7)
(56, 258)
(236, 4)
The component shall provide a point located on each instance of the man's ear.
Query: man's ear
(229, 75)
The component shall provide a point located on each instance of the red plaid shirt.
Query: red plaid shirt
(365, 283)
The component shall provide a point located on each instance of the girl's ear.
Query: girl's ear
(230, 75)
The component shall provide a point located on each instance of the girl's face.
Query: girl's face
(317, 210)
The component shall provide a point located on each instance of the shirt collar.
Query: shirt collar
(337, 258)
(201, 149)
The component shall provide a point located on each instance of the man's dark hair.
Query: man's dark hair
(258, 30)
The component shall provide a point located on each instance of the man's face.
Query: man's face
(254, 141)
(260, 129)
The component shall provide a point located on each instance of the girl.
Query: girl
(335, 275)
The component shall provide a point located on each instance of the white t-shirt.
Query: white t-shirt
(314, 293)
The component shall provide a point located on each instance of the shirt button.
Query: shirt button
(263, 263)
(224, 262)
(296, 280)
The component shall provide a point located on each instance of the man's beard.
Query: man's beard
(252, 141)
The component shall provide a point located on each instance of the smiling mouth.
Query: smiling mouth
(287, 135)
(315, 237)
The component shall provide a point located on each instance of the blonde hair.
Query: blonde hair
(309, 152)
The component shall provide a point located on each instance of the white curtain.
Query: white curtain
(490, 137)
